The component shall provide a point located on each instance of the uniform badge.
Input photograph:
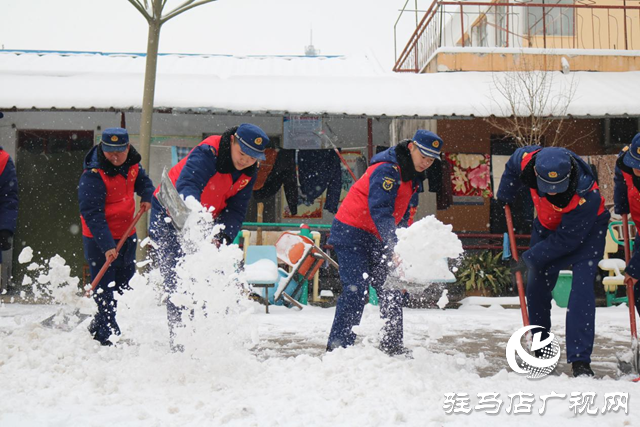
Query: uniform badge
(553, 174)
(387, 184)
(114, 138)
(94, 170)
(395, 167)
(625, 148)
(436, 144)
(582, 201)
(244, 182)
(258, 141)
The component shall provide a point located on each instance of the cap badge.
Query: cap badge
(638, 150)
(258, 141)
(436, 144)
(553, 174)
(114, 138)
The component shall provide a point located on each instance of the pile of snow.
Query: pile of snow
(423, 249)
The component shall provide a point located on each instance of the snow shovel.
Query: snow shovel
(635, 350)
(108, 262)
(514, 253)
(61, 320)
(170, 199)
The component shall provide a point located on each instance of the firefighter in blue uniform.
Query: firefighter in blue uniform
(626, 197)
(220, 173)
(569, 230)
(112, 174)
(364, 238)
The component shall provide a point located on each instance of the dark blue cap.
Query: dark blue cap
(553, 168)
(252, 140)
(632, 157)
(114, 139)
(428, 143)
(1, 115)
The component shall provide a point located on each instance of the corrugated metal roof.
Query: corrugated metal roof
(293, 84)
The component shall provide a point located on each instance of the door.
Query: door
(49, 165)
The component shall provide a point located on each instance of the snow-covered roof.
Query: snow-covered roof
(334, 85)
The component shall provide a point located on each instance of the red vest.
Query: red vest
(549, 214)
(633, 195)
(220, 186)
(354, 210)
(4, 158)
(119, 203)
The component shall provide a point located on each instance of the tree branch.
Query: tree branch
(142, 9)
(189, 4)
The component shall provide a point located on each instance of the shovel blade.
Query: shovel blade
(170, 199)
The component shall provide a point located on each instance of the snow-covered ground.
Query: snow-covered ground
(242, 367)
(283, 377)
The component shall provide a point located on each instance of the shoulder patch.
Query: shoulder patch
(387, 183)
(95, 170)
(625, 149)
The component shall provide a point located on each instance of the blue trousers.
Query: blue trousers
(166, 256)
(354, 262)
(581, 311)
(119, 272)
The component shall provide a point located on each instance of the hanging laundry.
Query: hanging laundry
(282, 174)
(319, 170)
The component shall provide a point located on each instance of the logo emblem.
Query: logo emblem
(532, 365)
(258, 141)
(553, 174)
(387, 184)
(436, 144)
(582, 201)
(244, 182)
(114, 138)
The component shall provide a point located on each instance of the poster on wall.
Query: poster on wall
(470, 177)
(302, 132)
(312, 211)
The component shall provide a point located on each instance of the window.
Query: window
(558, 20)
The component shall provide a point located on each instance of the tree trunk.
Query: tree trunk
(147, 107)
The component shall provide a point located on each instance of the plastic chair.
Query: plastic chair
(261, 268)
(615, 266)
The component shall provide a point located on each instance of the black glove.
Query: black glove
(222, 238)
(6, 240)
(518, 266)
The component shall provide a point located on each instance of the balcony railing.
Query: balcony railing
(541, 24)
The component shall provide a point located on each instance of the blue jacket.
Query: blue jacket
(201, 165)
(575, 225)
(8, 197)
(92, 193)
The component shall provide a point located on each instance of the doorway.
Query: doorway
(49, 165)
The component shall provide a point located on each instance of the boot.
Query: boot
(581, 369)
(397, 351)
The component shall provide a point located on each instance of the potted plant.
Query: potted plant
(483, 273)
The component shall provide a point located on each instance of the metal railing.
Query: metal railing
(542, 24)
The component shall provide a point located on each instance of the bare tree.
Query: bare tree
(152, 10)
(532, 107)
